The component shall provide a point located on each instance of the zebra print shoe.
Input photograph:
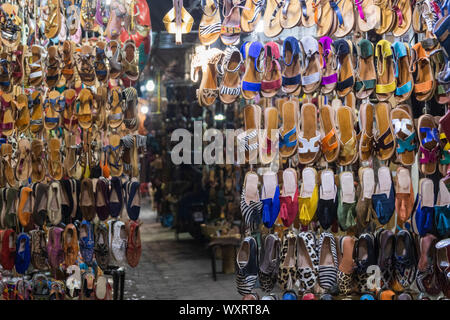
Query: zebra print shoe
(230, 88)
(247, 264)
(251, 205)
(210, 24)
(328, 261)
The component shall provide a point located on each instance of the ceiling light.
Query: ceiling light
(144, 109)
(150, 85)
(219, 117)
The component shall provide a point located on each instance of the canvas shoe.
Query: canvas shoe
(307, 260)
(405, 259)
(247, 266)
(270, 260)
(385, 246)
(328, 262)
(364, 256)
(288, 268)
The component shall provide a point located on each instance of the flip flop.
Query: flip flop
(345, 16)
(53, 22)
(290, 14)
(54, 162)
(288, 131)
(346, 136)
(289, 198)
(310, 64)
(429, 144)
(387, 21)
(384, 138)
(329, 67)
(272, 14)
(210, 24)
(329, 143)
(309, 135)
(403, 11)
(249, 138)
(366, 74)
(324, 17)
(402, 71)
(271, 78)
(386, 83)
(346, 79)
(424, 82)
(268, 139)
(366, 128)
(37, 161)
(251, 81)
(251, 14)
(291, 76)
(405, 136)
(70, 119)
(368, 15)
(230, 32)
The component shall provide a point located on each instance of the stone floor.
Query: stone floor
(171, 269)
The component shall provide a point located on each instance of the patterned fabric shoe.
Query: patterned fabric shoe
(287, 270)
(247, 263)
(307, 260)
(405, 259)
(364, 256)
(270, 260)
(251, 205)
(346, 264)
(385, 241)
(328, 261)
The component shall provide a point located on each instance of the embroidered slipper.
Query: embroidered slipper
(323, 17)
(369, 15)
(402, 71)
(384, 139)
(310, 64)
(35, 66)
(8, 164)
(271, 78)
(347, 136)
(309, 135)
(404, 195)
(85, 65)
(23, 113)
(387, 21)
(210, 24)
(366, 128)
(329, 143)
(114, 155)
(429, 144)
(208, 91)
(53, 22)
(231, 30)
(84, 116)
(345, 16)
(23, 166)
(366, 75)
(424, 82)
(251, 205)
(347, 201)
(346, 79)
(329, 67)
(405, 136)
(249, 138)
(270, 198)
(291, 77)
(289, 198)
(308, 197)
(271, 19)
(251, 81)
(38, 167)
(251, 15)
(403, 11)
(268, 139)
(290, 14)
(288, 131)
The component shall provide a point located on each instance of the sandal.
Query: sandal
(365, 67)
(291, 77)
(424, 82)
(54, 105)
(369, 15)
(290, 14)
(248, 140)
(5, 82)
(402, 71)
(35, 66)
(177, 20)
(251, 15)
(53, 22)
(68, 65)
(329, 74)
(54, 162)
(115, 118)
(36, 123)
(384, 140)
(23, 113)
(444, 161)
(347, 136)
(86, 100)
(23, 166)
(210, 24)
(329, 143)
(208, 91)
(366, 128)
(117, 15)
(383, 199)
(310, 64)
(251, 81)
(429, 144)
(101, 69)
(308, 13)
(129, 61)
(309, 135)
(405, 136)
(17, 64)
(268, 140)
(230, 87)
(346, 78)
(231, 30)
(272, 18)
(37, 161)
(288, 131)
(85, 65)
(8, 171)
(345, 15)
(386, 83)
(114, 155)
(70, 120)
(73, 20)
(10, 25)
(131, 112)
(113, 53)
(271, 79)
(324, 17)
(7, 126)
(53, 67)
(403, 11)
(387, 21)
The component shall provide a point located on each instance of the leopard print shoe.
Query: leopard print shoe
(307, 260)
(287, 270)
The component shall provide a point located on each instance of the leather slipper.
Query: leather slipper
(347, 136)
(288, 130)
(384, 137)
(309, 135)
(268, 140)
(405, 136)
(329, 143)
(366, 129)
